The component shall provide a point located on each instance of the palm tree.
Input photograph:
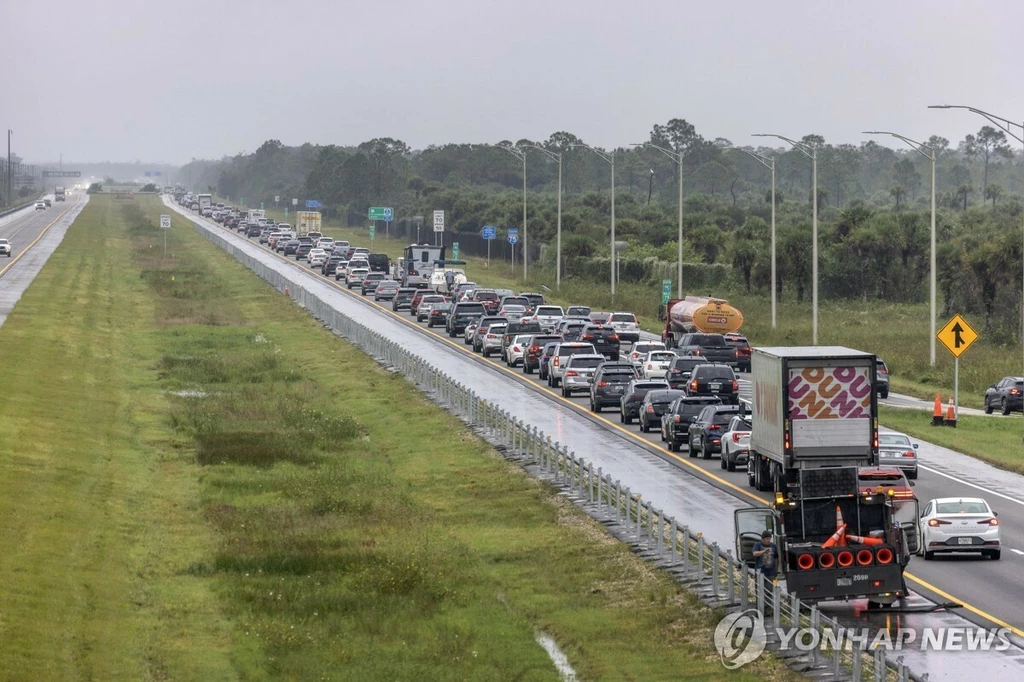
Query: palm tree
(962, 192)
(993, 192)
(897, 193)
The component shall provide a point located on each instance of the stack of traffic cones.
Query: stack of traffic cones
(840, 537)
(937, 414)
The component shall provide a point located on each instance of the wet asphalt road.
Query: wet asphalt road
(34, 234)
(705, 499)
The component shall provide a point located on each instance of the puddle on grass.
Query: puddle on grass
(558, 657)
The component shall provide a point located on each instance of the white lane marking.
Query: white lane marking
(972, 485)
(1017, 551)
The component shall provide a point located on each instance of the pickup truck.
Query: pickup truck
(713, 347)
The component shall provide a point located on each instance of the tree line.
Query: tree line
(873, 205)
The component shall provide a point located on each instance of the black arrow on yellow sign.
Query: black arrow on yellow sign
(957, 339)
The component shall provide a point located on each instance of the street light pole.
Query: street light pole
(610, 158)
(9, 133)
(521, 155)
(920, 148)
(812, 154)
(677, 157)
(557, 157)
(1004, 125)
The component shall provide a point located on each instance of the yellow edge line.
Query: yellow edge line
(25, 250)
(703, 472)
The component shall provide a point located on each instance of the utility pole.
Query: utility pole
(677, 157)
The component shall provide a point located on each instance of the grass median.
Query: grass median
(197, 481)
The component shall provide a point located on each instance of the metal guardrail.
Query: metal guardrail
(15, 209)
(716, 576)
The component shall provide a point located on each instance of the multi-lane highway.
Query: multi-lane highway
(986, 588)
(33, 234)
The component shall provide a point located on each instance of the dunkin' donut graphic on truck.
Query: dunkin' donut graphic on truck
(830, 393)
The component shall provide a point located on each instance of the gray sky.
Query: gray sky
(167, 81)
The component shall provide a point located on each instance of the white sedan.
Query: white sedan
(317, 257)
(517, 349)
(959, 524)
(656, 364)
(5, 248)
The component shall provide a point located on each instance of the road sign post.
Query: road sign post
(438, 226)
(373, 230)
(957, 336)
(513, 237)
(489, 232)
(165, 224)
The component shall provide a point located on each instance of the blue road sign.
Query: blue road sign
(389, 215)
(313, 203)
(513, 235)
(490, 232)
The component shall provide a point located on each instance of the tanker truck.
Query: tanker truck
(695, 325)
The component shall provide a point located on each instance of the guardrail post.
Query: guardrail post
(700, 556)
(795, 605)
(777, 605)
(590, 481)
(759, 588)
(714, 569)
(744, 583)
(901, 670)
(815, 626)
(600, 480)
(730, 574)
(661, 532)
(879, 664)
(673, 529)
(838, 650)
(618, 493)
(685, 549)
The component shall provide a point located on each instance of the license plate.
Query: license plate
(844, 582)
(965, 541)
(715, 386)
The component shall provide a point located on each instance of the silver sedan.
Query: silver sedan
(896, 449)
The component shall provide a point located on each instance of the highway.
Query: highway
(986, 588)
(34, 234)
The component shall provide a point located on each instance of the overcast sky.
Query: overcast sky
(167, 81)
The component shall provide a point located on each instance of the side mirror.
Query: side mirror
(912, 483)
(995, 513)
(915, 446)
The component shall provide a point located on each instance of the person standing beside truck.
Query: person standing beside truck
(767, 555)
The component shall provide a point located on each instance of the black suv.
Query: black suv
(707, 429)
(633, 396)
(291, 246)
(655, 404)
(610, 382)
(460, 315)
(330, 265)
(604, 339)
(716, 380)
(679, 372)
(1007, 395)
(403, 299)
(535, 349)
(544, 361)
(513, 330)
(675, 423)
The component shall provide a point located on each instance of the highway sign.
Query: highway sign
(455, 251)
(62, 174)
(165, 221)
(261, 205)
(957, 336)
(313, 203)
(373, 230)
(490, 232)
(513, 235)
(277, 198)
(385, 213)
(666, 291)
(153, 174)
(438, 221)
(295, 202)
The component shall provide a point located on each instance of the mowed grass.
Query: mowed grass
(999, 441)
(198, 482)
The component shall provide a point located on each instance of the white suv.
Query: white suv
(356, 276)
(5, 248)
(547, 316)
(626, 325)
(560, 358)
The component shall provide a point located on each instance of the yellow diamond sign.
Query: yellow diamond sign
(957, 336)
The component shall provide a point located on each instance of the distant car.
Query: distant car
(599, 318)
(355, 277)
(881, 378)
(707, 429)
(570, 330)
(605, 340)
(959, 524)
(469, 332)
(386, 290)
(534, 350)
(640, 350)
(626, 325)
(460, 315)
(578, 372)
(896, 449)
(736, 443)
(317, 258)
(491, 341)
(716, 380)
(481, 330)
(513, 313)
(535, 299)
(402, 299)
(517, 349)
(560, 358)
(291, 246)
(547, 316)
(609, 384)
(679, 373)
(743, 351)
(633, 396)
(421, 311)
(578, 311)
(657, 364)
(47, 202)
(881, 480)
(438, 316)
(488, 298)
(5, 247)
(655, 405)
(40, 206)
(675, 423)
(544, 363)
(1007, 395)
(302, 252)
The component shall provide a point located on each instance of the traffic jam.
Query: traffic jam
(837, 491)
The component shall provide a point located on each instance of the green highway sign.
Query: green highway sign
(455, 251)
(384, 213)
(666, 291)
(373, 229)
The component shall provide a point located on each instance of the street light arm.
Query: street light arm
(551, 155)
(518, 153)
(766, 161)
(998, 121)
(918, 147)
(807, 151)
(610, 158)
(674, 155)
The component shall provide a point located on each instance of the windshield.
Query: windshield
(470, 309)
(962, 507)
(586, 363)
(714, 373)
(707, 340)
(623, 317)
(892, 439)
(486, 296)
(663, 356)
(622, 377)
(722, 418)
(549, 310)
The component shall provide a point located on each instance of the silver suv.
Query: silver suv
(579, 372)
(560, 358)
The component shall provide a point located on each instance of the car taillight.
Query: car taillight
(534, 349)
(650, 409)
(908, 453)
(715, 427)
(990, 522)
(555, 361)
(634, 355)
(515, 348)
(492, 336)
(571, 373)
(696, 351)
(735, 386)
(1014, 391)
(587, 337)
(903, 493)
(650, 366)
(736, 438)
(693, 385)
(677, 371)
(602, 384)
(613, 337)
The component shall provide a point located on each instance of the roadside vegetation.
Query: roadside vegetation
(197, 481)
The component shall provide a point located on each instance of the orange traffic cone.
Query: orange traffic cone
(937, 414)
(861, 540)
(836, 537)
(839, 518)
(950, 414)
